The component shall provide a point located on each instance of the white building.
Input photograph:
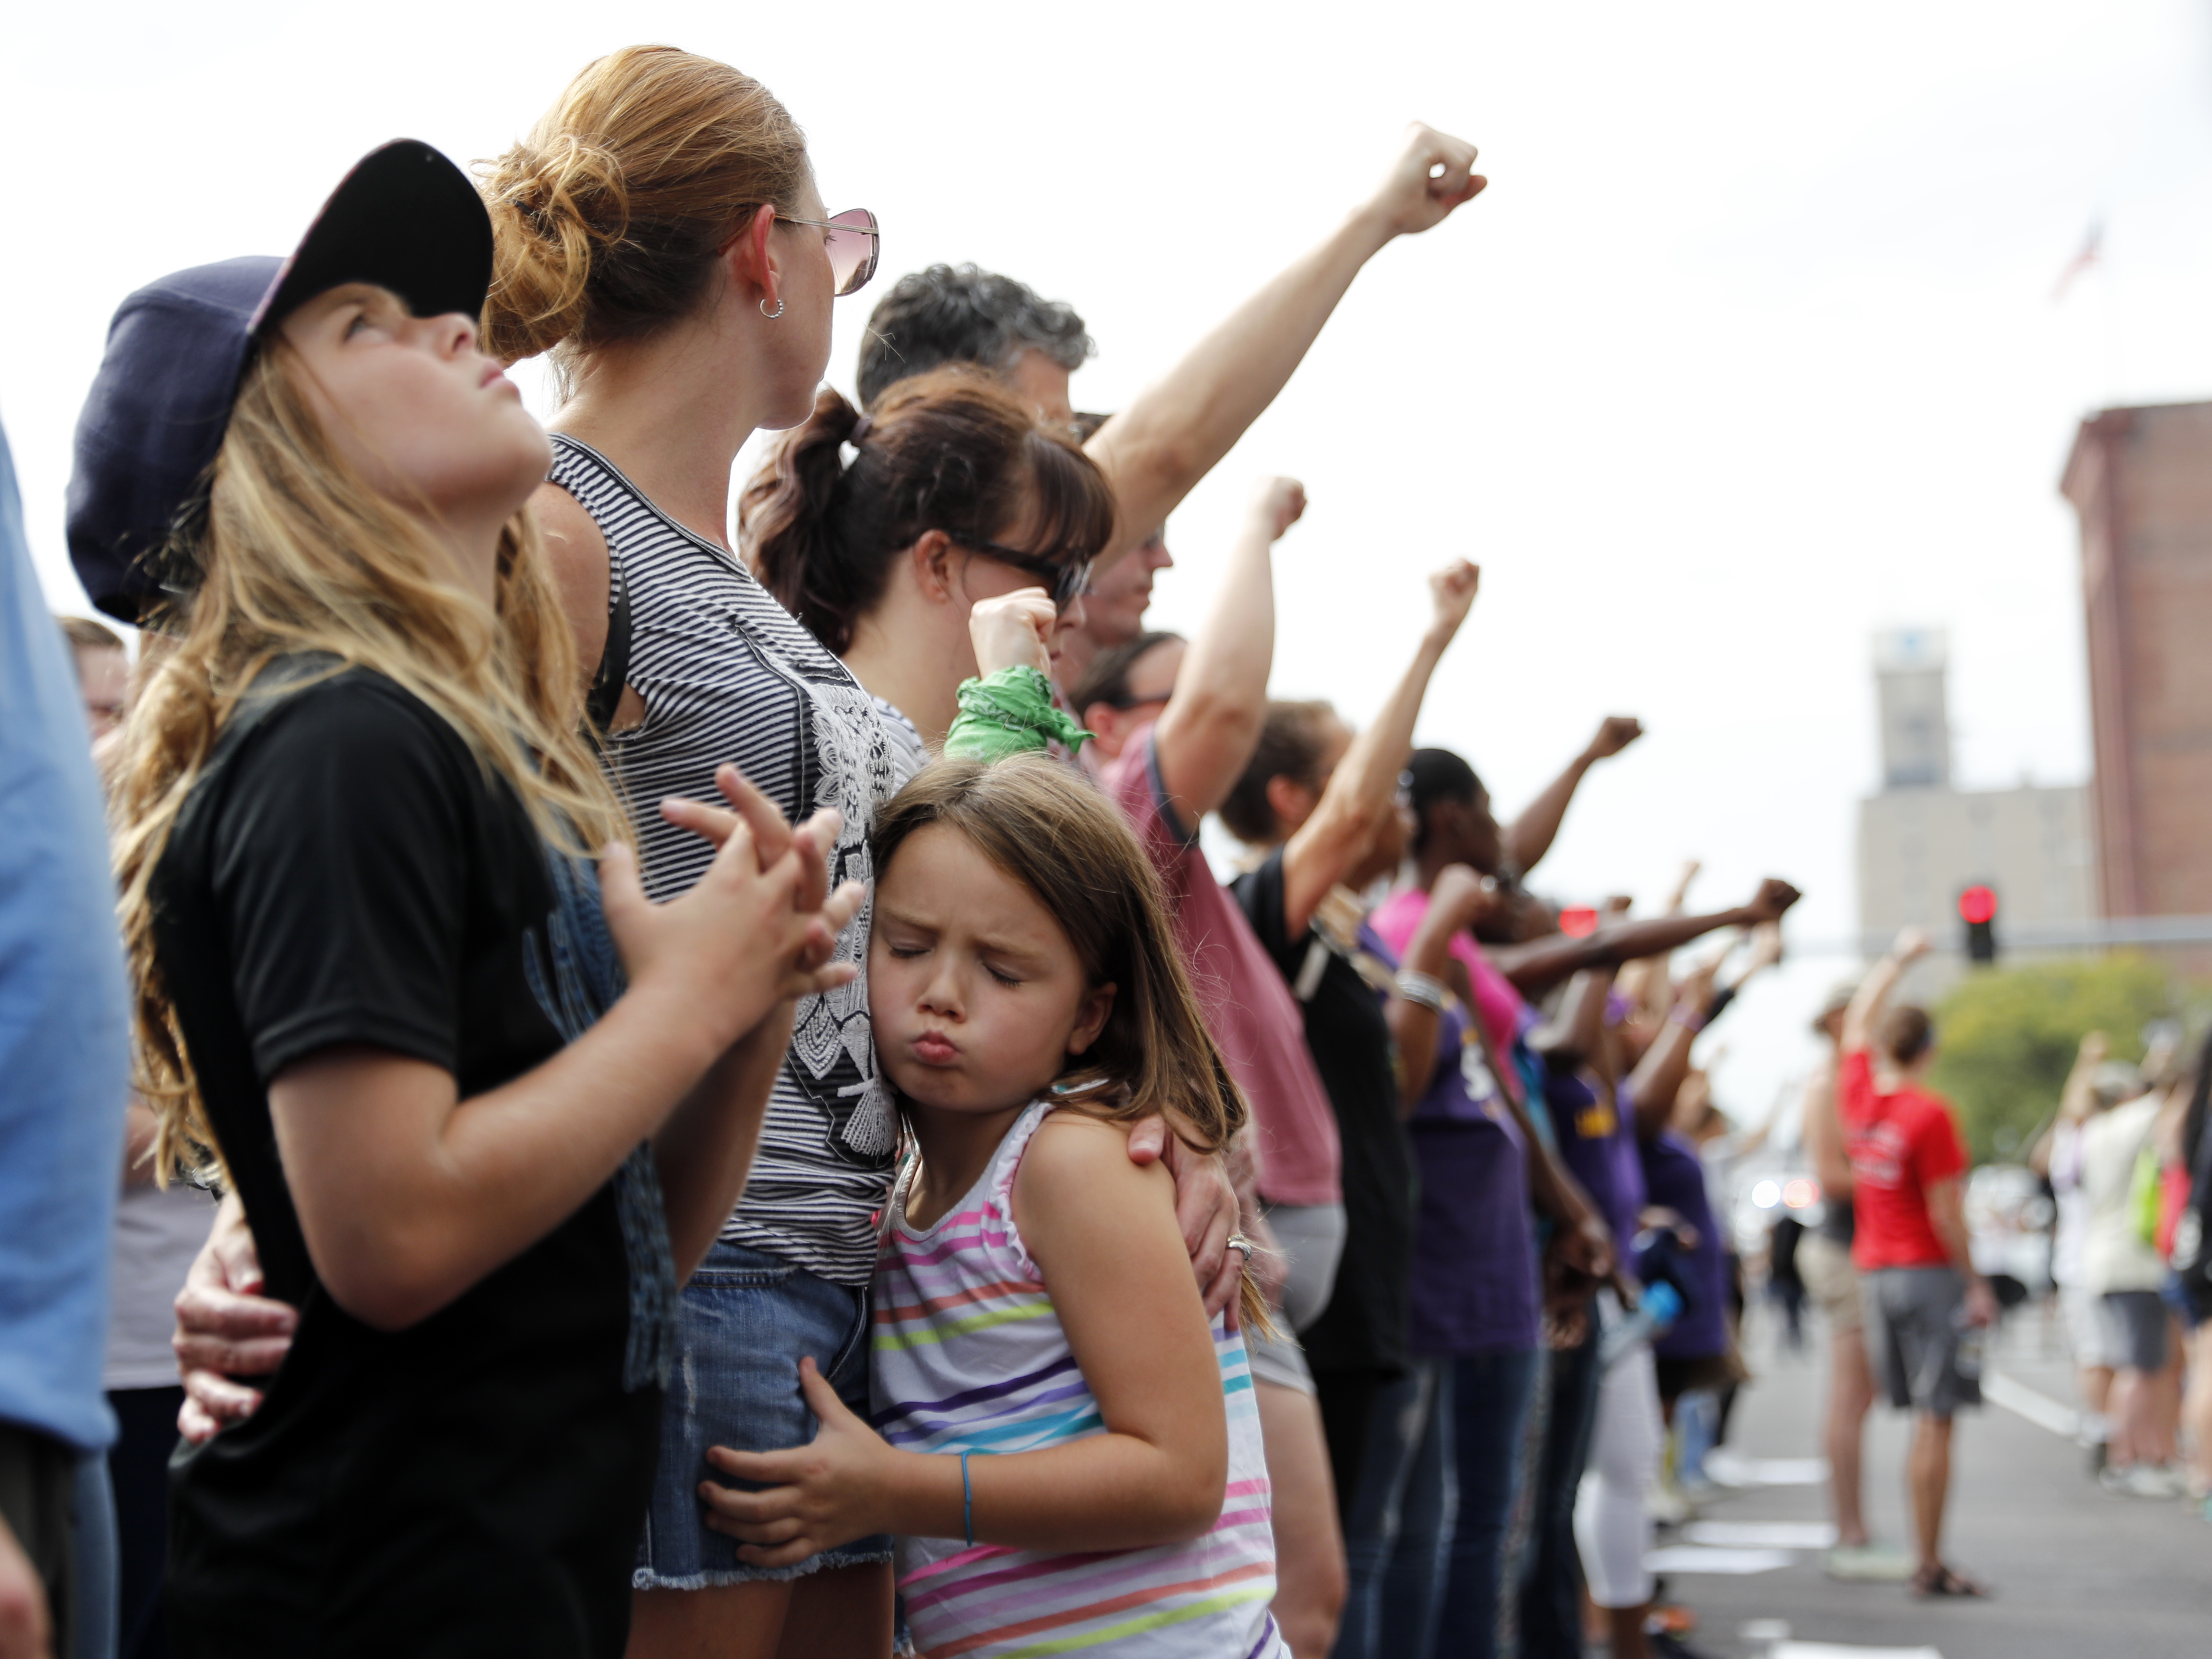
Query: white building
(1921, 841)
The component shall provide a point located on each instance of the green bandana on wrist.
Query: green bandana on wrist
(1010, 712)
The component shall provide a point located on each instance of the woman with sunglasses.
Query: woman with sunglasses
(955, 494)
(660, 234)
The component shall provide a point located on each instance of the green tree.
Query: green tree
(2007, 1038)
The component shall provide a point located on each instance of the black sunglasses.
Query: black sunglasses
(1065, 582)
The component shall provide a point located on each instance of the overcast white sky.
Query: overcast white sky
(1749, 350)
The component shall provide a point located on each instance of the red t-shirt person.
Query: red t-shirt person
(1900, 1145)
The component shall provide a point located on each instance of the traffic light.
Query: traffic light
(1977, 909)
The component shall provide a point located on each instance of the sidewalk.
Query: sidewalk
(2077, 1574)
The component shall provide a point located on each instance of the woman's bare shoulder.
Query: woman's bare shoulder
(576, 555)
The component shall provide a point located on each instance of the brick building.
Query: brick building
(2141, 481)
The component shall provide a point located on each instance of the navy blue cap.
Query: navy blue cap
(404, 218)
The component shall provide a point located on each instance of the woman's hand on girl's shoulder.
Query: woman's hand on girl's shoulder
(1073, 1148)
(1205, 1208)
(1079, 1200)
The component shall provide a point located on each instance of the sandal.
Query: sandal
(1943, 1581)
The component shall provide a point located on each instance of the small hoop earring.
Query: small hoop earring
(771, 315)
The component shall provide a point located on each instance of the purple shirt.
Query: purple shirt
(1600, 1147)
(1676, 1181)
(1474, 1253)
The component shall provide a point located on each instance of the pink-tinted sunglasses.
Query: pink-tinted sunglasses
(852, 241)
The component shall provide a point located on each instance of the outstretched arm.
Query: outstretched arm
(1537, 826)
(2074, 1099)
(1212, 723)
(1658, 1077)
(1156, 450)
(1535, 967)
(1824, 1133)
(1874, 993)
(1647, 982)
(1362, 788)
(1571, 1035)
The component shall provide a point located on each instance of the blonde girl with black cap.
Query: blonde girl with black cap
(483, 1125)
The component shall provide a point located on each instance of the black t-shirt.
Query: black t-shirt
(1364, 1328)
(345, 871)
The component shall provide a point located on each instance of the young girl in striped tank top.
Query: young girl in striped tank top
(1069, 1453)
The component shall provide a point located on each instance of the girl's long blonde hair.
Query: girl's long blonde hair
(297, 553)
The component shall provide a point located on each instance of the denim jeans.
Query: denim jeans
(747, 1316)
(93, 1524)
(1492, 1394)
(138, 1463)
(1397, 1526)
(1551, 1581)
(1697, 1420)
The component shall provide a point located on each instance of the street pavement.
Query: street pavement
(2077, 1574)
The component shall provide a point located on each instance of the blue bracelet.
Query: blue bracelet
(967, 1502)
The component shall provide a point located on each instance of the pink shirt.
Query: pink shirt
(1399, 917)
(1247, 1006)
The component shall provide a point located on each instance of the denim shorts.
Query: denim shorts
(747, 1319)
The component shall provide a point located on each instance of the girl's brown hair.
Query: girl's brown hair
(608, 219)
(950, 450)
(1054, 832)
(301, 554)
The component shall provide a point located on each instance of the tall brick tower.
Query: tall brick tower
(2141, 481)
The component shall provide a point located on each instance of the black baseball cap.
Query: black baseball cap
(404, 218)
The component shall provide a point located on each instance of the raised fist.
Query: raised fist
(1614, 734)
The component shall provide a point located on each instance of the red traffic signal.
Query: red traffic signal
(1579, 920)
(1977, 906)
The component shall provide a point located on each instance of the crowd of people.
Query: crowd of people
(699, 1086)
(2130, 1167)
(2120, 1175)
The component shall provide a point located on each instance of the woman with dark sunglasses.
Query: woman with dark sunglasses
(882, 533)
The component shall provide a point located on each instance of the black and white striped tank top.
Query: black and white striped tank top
(728, 675)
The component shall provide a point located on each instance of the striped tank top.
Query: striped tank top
(968, 1356)
(728, 674)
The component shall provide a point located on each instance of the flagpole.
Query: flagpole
(2115, 370)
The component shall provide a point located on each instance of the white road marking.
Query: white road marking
(1762, 1535)
(2036, 1407)
(1840, 1651)
(1726, 1468)
(1692, 1558)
